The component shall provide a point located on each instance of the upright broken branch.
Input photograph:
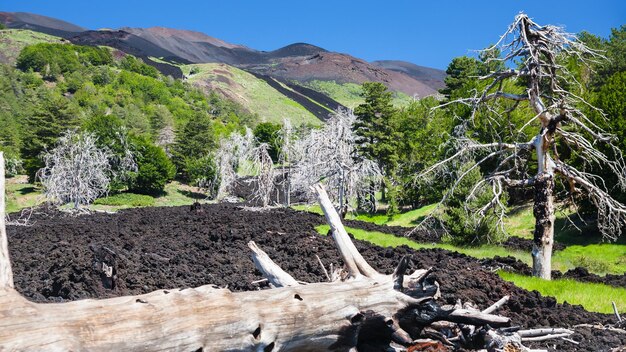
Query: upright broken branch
(6, 274)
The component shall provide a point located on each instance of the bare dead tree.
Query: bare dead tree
(263, 167)
(166, 138)
(232, 153)
(328, 155)
(287, 151)
(77, 171)
(555, 114)
(122, 163)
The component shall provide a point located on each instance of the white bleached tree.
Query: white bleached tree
(329, 155)
(233, 152)
(77, 171)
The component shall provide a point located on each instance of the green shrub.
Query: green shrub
(154, 168)
(54, 59)
(195, 140)
(267, 132)
(591, 264)
(464, 226)
(136, 65)
(126, 199)
(202, 172)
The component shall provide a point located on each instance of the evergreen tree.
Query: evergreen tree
(267, 132)
(195, 141)
(52, 115)
(377, 135)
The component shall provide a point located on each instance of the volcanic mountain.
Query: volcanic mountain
(39, 23)
(289, 67)
(300, 62)
(430, 76)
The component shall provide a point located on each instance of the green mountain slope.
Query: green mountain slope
(12, 41)
(349, 94)
(254, 94)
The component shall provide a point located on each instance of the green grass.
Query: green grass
(603, 258)
(593, 297)
(520, 221)
(12, 41)
(407, 219)
(20, 195)
(126, 200)
(251, 92)
(175, 194)
(349, 94)
(600, 259)
(584, 248)
(387, 240)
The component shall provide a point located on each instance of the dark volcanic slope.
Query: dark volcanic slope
(431, 76)
(196, 47)
(134, 45)
(296, 62)
(342, 68)
(299, 61)
(38, 23)
(154, 248)
(124, 41)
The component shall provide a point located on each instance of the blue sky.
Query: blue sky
(428, 33)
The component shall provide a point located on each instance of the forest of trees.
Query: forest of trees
(174, 130)
(125, 103)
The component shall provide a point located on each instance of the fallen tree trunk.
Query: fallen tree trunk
(365, 309)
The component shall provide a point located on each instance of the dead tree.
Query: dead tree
(555, 115)
(264, 170)
(285, 157)
(77, 171)
(364, 308)
(328, 155)
(231, 154)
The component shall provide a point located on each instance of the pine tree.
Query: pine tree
(51, 116)
(377, 136)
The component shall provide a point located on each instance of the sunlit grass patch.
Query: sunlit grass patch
(604, 258)
(593, 297)
(21, 195)
(126, 200)
(388, 240)
(406, 219)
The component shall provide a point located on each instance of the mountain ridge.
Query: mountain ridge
(298, 61)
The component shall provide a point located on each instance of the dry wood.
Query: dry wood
(276, 276)
(542, 332)
(336, 316)
(6, 274)
(619, 319)
(323, 268)
(545, 337)
(497, 305)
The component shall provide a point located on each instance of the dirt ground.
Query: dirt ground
(59, 257)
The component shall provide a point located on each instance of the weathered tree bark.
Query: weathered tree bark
(364, 309)
(543, 237)
(6, 274)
